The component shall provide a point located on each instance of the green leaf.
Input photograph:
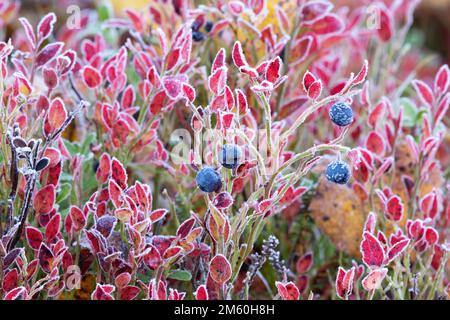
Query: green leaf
(181, 275)
(85, 147)
(64, 192)
(71, 147)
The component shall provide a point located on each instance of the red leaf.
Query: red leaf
(372, 251)
(129, 293)
(223, 200)
(201, 293)
(442, 80)
(242, 103)
(115, 193)
(308, 80)
(288, 291)
(34, 237)
(218, 80)
(92, 78)
(172, 252)
(431, 236)
(104, 168)
(238, 55)
(273, 70)
(344, 282)
(10, 280)
(172, 87)
(313, 10)
(424, 92)
(376, 113)
(158, 102)
(373, 280)
(397, 249)
(315, 89)
(29, 32)
(172, 58)
(375, 143)
(394, 208)
(220, 269)
(57, 114)
(78, 218)
(45, 26)
(385, 29)
(45, 258)
(49, 52)
(119, 174)
(152, 257)
(330, 23)
(52, 228)
(189, 92)
(185, 228)
(219, 60)
(158, 214)
(304, 263)
(44, 199)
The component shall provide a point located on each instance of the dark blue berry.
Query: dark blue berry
(197, 36)
(208, 26)
(209, 180)
(230, 156)
(341, 114)
(338, 172)
(195, 25)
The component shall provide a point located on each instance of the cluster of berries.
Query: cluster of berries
(208, 179)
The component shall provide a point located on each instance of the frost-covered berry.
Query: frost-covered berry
(338, 172)
(198, 36)
(209, 180)
(230, 156)
(341, 114)
(208, 26)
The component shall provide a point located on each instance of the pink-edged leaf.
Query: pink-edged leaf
(241, 100)
(189, 92)
(218, 80)
(220, 269)
(158, 214)
(376, 114)
(78, 218)
(386, 24)
(375, 143)
(34, 237)
(129, 292)
(344, 282)
(119, 174)
(304, 263)
(373, 280)
(46, 258)
(152, 257)
(201, 293)
(287, 291)
(431, 236)
(308, 80)
(330, 23)
(52, 228)
(373, 254)
(397, 249)
(172, 87)
(91, 77)
(315, 89)
(158, 102)
(44, 199)
(361, 76)
(19, 293)
(172, 252)
(223, 200)
(49, 52)
(57, 114)
(219, 60)
(185, 228)
(442, 80)
(238, 55)
(442, 108)
(115, 193)
(273, 71)
(172, 58)
(104, 168)
(313, 10)
(394, 208)
(424, 92)
(45, 26)
(29, 32)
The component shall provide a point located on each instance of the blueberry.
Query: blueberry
(341, 114)
(230, 156)
(197, 36)
(338, 172)
(208, 26)
(208, 180)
